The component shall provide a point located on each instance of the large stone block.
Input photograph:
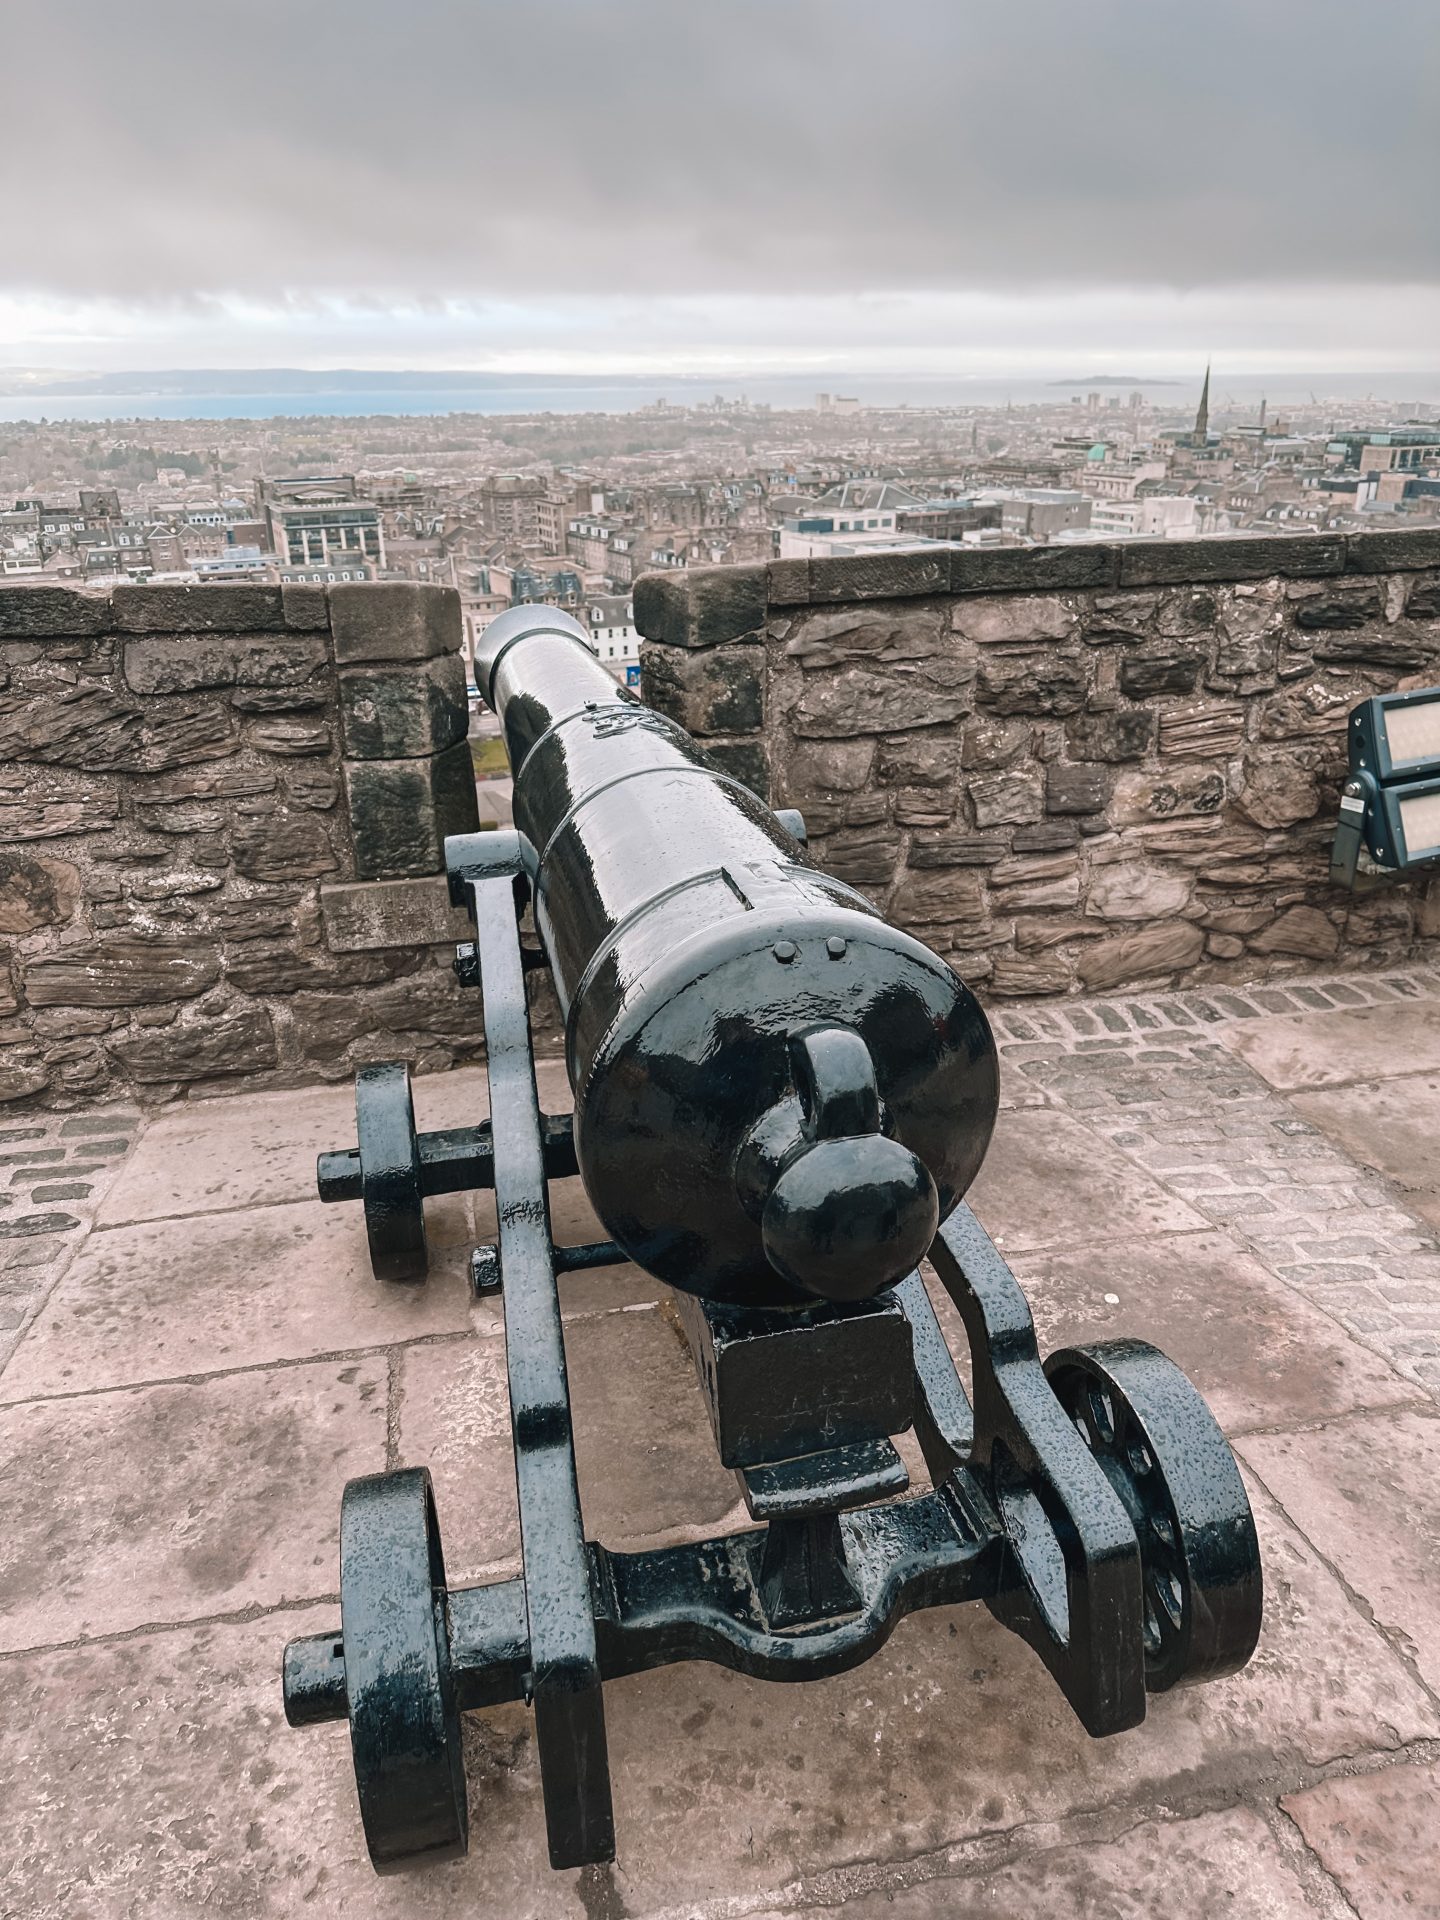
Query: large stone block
(787, 583)
(1031, 569)
(240, 1040)
(1184, 792)
(1123, 733)
(1007, 799)
(303, 699)
(955, 850)
(719, 690)
(370, 915)
(1304, 931)
(1013, 619)
(120, 973)
(38, 613)
(1376, 645)
(430, 1004)
(743, 760)
(1140, 956)
(1276, 790)
(869, 636)
(305, 606)
(1339, 608)
(1145, 674)
(281, 969)
(1135, 890)
(860, 700)
(700, 606)
(393, 620)
(270, 916)
(1151, 563)
(400, 713)
(1048, 683)
(220, 608)
(1203, 733)
(402, 810)
(865, 858)
(1392, 552)
(918, 760)
(1020, 975)
(57, 819)
(829, 766)
(36, 893)
(227, 782)
(952, 897)
(92, 727)
(1076, 789)
(1122, 618)
(282, 846)
(881, 576)
(191, 662)
(292, 739)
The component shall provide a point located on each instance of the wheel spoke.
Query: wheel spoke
(1101, 1409)
(1169, 1595)
(1165, 1542)
(1150, 1628)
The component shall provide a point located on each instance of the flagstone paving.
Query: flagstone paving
(196, 1358)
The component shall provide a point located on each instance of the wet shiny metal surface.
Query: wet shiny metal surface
(694, 947)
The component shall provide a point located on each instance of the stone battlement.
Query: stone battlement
(222, 812)
(1070, 768)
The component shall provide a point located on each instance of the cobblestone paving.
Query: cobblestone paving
(54, 1172)
(1159, 1079)
(201, 1359)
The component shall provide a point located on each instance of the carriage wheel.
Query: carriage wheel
(1166, 1458)
(404, 1722)
(390, 1169)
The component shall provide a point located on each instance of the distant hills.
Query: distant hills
(1115, 380)
(245, 380)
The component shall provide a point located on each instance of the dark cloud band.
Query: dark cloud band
(474, 148)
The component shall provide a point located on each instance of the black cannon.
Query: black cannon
(779, 1103)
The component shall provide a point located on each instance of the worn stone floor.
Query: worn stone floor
(200, 1359)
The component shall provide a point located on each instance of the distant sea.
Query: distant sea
(293, 394)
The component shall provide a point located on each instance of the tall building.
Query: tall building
(1200, 437)
(317, 521)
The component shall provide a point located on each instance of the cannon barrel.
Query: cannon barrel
(777, 1094)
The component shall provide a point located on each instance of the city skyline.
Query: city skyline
(726, 191)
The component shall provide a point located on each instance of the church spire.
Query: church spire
(1202, 413)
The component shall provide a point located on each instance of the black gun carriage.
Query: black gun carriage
(779, 1104)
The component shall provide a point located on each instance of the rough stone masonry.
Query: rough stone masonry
(1070, 768)
(222, 813)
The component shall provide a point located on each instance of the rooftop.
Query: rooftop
(200, 1359)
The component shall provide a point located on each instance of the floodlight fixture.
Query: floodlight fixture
(1390, 806)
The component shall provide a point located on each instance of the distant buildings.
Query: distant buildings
(1037, 514)
(320, 524)
(1397, 449)
(570, 511)
(610, 620)
(1155, 516)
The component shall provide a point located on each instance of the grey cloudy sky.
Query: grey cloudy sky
(723, 182)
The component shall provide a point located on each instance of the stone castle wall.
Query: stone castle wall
(1069, 768)
(222, 811)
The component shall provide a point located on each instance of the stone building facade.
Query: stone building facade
(1070, 768)
(222, 812)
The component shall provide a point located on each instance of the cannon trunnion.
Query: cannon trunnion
(781, 1132)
